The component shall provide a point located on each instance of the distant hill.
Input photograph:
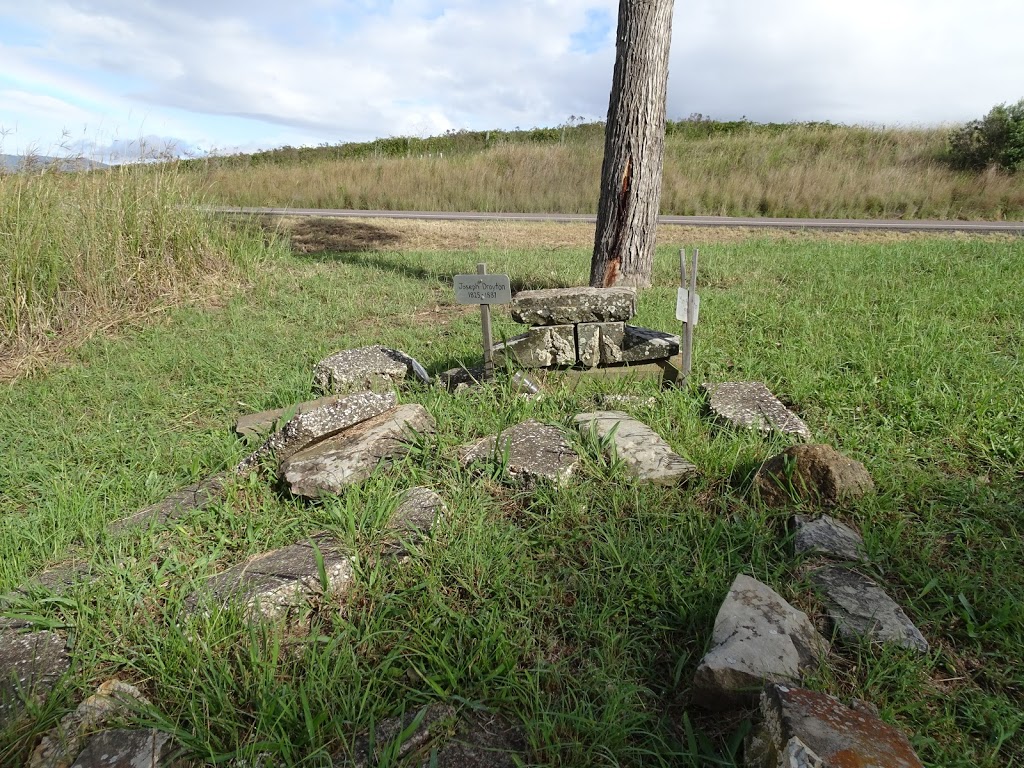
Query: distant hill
(13, 163)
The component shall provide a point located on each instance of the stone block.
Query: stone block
(534, 451)
(646, 455)
(375, 367)
(817, 474)
(751, 405)
(539, 347)
(561, 306)
(633, 344)
(828, 537)
(128, 748)
(31, 663)
(588, 344)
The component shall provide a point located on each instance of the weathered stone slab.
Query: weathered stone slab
(306, 429)
(128, 748)
(31, 663)
(351, 456)
(814, 473)
(588, 344)
(534, 452)
(646, 455)
(635, 344)
(758, 638)
(59, 745)
(563, 306)
(59, 578)
(859, 608)
(442, 739)
(829, 537)
(751, 405)
(636, 401)
(805, 729)
(255, 423)
(197, 496)
(539, 347)
(376, 367)
(417, 511)
(274, 583)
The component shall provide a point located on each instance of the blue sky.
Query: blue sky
(193, 76)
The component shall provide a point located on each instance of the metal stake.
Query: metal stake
(485, 322)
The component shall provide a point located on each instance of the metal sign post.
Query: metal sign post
(484, 289)
(687, 308)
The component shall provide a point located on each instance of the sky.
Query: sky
(108, 77)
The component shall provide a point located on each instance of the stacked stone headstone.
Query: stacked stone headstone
(583, 327)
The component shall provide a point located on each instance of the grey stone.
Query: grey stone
(561, 306)
(417, 511)
(751, 405)
(275, 583)
(806, 729)
(31, 663)
(827, 536)
(375, 367)
(635, 345)
(535, 451)
(127, 748)
(539, 347)
(197, 496)
(255, 423)
(646, 455)
(318, 424)
(758, 638)
(859, 608)
(628, 400)
(441, 738)
(588, 344)
(813, 473)
(59, 746)
(352, 455)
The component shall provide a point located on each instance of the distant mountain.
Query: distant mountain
(12, 163)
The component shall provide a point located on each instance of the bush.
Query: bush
(997, 139)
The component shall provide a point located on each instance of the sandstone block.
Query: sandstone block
(539, 347)
(128, 748)
(646, 455)
(813, 473)
(561, 306)
(829, 537)
(751, 405)
(31, 663)
(635, 345)
(376, 367)
(534, 452)
(588, 344)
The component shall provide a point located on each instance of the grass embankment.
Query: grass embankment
(81, 252)
(733, 169)
(581, 611)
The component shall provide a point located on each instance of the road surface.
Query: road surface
(848, 225)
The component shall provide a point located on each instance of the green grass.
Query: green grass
(584, 611)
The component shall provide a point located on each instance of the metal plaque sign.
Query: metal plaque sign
(483, 289)
(682, 296)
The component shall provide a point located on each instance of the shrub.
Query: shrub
(997, 139)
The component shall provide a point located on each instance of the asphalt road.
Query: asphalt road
(848, 225)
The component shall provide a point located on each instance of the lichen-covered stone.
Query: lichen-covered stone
(758, 638)
(306, 429)
(829, 537)
(275, 583)
(352, 455)
(646, 455)
(255, 423)
(812, 473)
(588, 344)
(751, 405)
(859, 608)
(539, 347)
(128, 748)
(417, 511)
(534, 451)
(31, 663)
(635, 345)
(806, 729)
(564, 306)
(197, 496)
(375, 367)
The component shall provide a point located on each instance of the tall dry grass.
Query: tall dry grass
(81, 251)
(803, 170)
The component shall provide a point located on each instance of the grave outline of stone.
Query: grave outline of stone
(464, 297)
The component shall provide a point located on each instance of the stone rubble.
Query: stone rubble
(375, 367)
(751, 405)
(758, 638)
(818, 474)
(539, 347)
(827, 537)
(535, 452)
(569, 306)
(129, 748)
(646, 455)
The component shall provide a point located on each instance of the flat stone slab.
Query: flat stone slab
(256, 423)
(196, 496)
(566, 306)
(646, 455)
(417, 511)
(635, 345)
(859, 608)
(806, 729)
(818, 474)
(375, 367)
(352, 455)
(274, 583)
(31, 663)
(758, 638)
(534, 451)
(828, 537)
(539, 347)
(306, 429)
(751, 405)
(127, 748)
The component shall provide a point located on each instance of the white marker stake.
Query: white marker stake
(484, 289)
(692, 307)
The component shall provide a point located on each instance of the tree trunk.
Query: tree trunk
(634, 147)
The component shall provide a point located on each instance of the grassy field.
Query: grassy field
(711, 168)
(582, 612)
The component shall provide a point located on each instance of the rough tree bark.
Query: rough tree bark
(634, 147)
